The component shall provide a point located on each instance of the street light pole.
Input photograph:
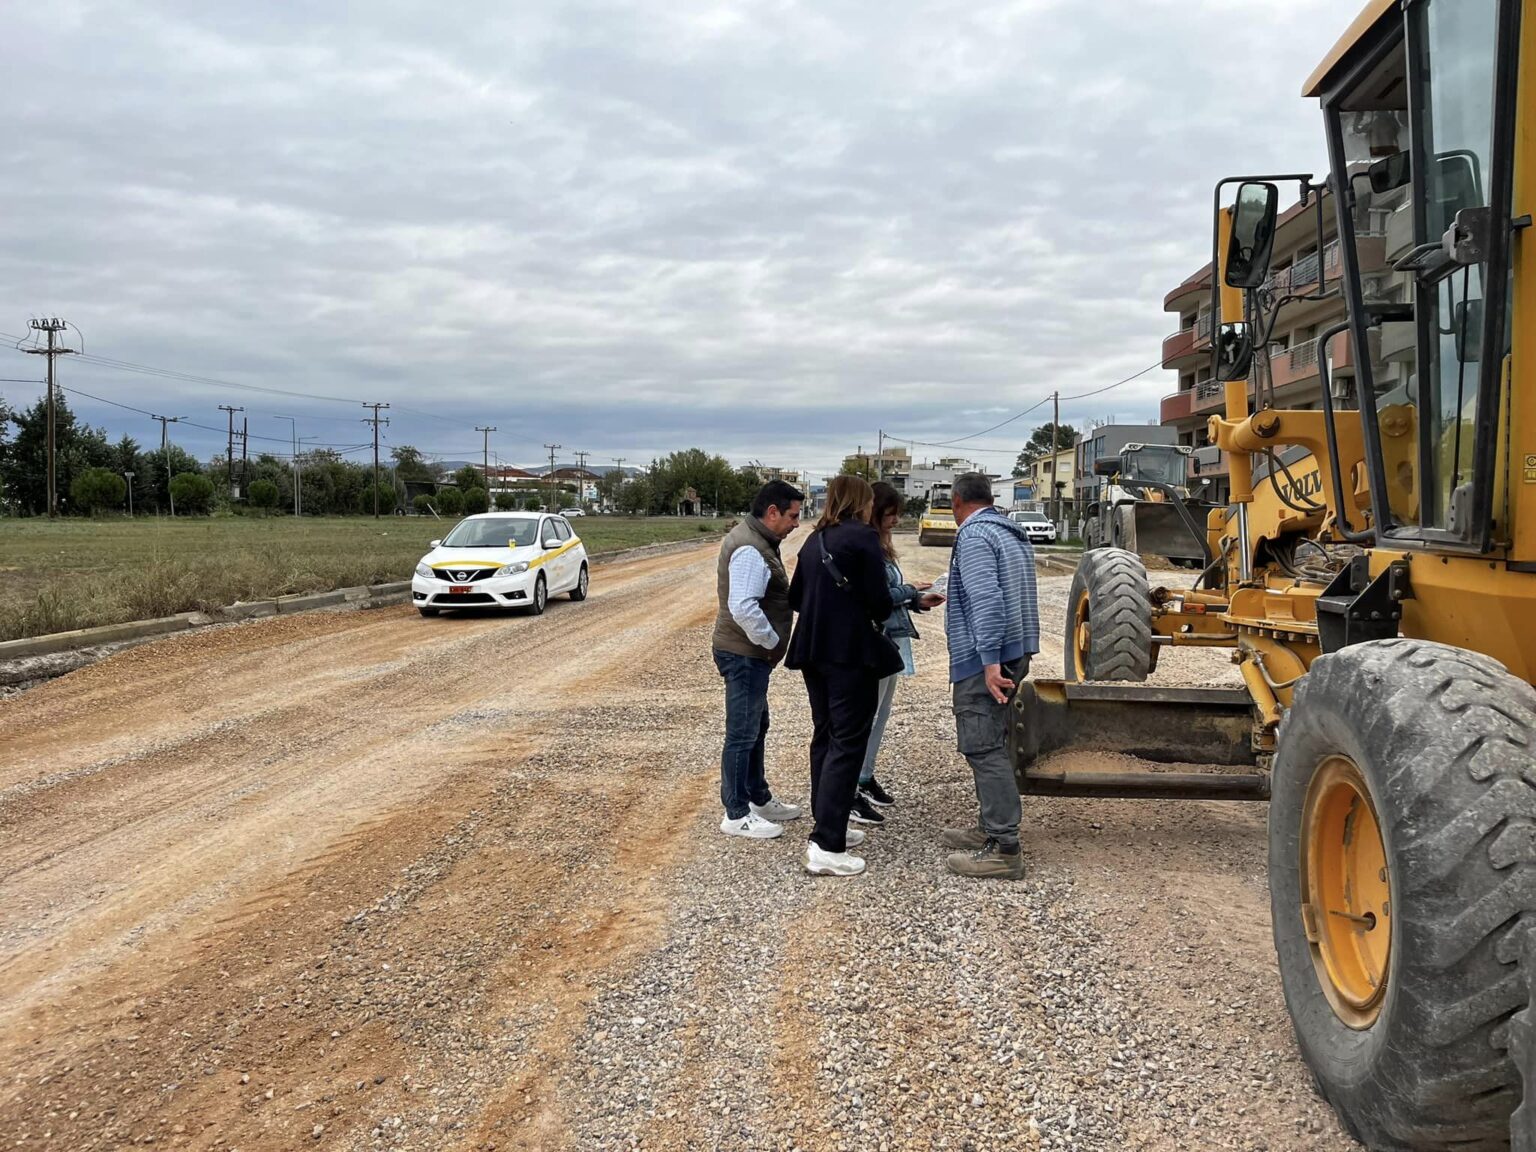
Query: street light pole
(293, 430)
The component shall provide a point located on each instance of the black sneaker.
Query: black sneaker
(875, 794)
(863, 812)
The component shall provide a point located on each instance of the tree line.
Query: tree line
(93, 474)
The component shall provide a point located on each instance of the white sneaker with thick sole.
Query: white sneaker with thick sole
(853, 838)
(751, 827)
(776, 810)
(819, 862)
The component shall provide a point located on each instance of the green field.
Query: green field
(55, 576)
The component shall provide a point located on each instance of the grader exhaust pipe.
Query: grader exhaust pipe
(1209, 726)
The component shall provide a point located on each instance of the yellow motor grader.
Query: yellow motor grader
(1375, 580)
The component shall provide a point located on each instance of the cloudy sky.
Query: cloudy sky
(767, 228)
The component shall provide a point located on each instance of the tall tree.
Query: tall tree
(1039, 444)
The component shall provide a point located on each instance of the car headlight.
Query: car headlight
(516, 569)
(423, 571)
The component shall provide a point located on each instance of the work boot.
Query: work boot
(965, 839)
(992, 862)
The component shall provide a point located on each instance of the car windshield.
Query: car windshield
(495, 532)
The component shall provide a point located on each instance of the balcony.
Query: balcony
(1293, 365)
(1208, 396)
(1176, 406)
(1187, 341)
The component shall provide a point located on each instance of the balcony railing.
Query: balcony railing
(1303, 275)
(1208, 394)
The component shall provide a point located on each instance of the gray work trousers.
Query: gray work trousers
(981, 728)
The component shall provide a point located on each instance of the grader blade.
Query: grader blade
(1211, 726)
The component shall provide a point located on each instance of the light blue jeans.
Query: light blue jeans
(882, 714)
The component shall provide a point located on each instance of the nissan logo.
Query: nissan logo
(461, 577)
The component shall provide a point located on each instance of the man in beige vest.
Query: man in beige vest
(751, 634)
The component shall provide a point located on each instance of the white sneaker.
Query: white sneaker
(819, 862)
(752, 827)
(853, 838)
(776, 809)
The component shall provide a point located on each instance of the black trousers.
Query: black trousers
(844, 699)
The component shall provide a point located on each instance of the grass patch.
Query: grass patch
(67, 574)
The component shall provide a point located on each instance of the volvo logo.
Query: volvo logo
(461, 577)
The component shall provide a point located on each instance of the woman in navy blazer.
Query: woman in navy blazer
(838, 646)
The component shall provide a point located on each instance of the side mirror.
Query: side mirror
(1107, 466)
(1253, 234)
(549, 544)
(1234, 352)
(434, 544)
(1390, 173)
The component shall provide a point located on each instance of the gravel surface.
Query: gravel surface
(382, 883)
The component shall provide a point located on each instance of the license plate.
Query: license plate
(457, 589)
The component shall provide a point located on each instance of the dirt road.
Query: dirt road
(365, 880)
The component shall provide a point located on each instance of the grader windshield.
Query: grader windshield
(1421, 146)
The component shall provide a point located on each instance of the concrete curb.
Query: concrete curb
(88, 637)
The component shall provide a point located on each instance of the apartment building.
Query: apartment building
(1288, 367)
(1051, 478)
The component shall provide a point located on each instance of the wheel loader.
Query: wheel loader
(1149, 505)
(1374, 579)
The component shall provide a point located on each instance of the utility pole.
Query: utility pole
(229, 453)
(165, 448)
(1055, 459)
(129, 477)
(485, 459)
(554, 504)
(615, 489)
(245, 454)
(53, 326)
(293, 430)
(375, 421)
(880, 459)
(581, 476)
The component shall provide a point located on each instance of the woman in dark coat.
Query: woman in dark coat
(838, 646)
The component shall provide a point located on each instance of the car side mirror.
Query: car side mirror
(1252, 236)
(548, 544)
(1234, 352)
(434, 544)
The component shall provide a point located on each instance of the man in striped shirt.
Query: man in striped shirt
(993, 626)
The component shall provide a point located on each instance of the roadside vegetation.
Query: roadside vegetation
(66, 574)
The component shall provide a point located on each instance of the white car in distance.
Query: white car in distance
(1037, 524)
(501, 560)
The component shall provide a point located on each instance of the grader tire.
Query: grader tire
(1091, 536)
(1402, 868)
(1109, 618)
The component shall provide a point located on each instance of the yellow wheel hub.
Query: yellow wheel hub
(1346, 893)
(1082, 634)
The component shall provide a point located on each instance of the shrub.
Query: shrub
(387, 500)
(531, 504)
(97, 488)
(263, 495)
(506, 501)
(450, 502)
(475, 501)
(192, 492)
(422, 504)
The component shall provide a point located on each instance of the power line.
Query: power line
(1039, 404)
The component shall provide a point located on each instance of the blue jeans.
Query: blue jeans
(743, 779)
(882, 714)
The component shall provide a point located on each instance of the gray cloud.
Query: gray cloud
(766, 228)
